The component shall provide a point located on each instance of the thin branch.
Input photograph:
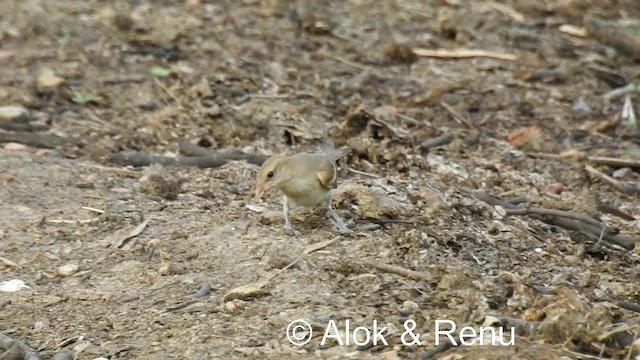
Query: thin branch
(415, 275)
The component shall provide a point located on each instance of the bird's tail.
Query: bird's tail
(335, 154)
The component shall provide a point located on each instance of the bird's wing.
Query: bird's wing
(335, 154)
(328, 176)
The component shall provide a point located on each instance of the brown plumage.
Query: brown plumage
(305, 179)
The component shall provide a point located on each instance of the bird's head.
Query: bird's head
(269, 175)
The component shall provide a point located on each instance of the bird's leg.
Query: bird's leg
(286, 209)
(337, 220)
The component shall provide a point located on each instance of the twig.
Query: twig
(582, 356)
(621, 91)
(469, 53)
(553, 212)
(222, 337)
(613, 36)
(614, 162)
(628, 188)
(63, 221)
(318, 246)
(408, 118)
(415, 275)
(269, 97)
(133, 233)
(117, 171)
(352, 170)
(429, 354)
(169, 92)
(387, 221)
(93, 209)
(443, 139)
(347, 62)
(507, 10)
(36, 139)
(600, 160)
(564, 219)
(141, 158)
(182, 305)
(190, 149)
(573, 30)
(455, 115)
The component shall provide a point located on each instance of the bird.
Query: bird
(305, 179)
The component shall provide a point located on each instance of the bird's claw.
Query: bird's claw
(291, 230)
(345, 231)
(342, 227)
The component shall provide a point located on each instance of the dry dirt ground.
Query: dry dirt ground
(127, 256)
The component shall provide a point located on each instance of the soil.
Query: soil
(129, 260)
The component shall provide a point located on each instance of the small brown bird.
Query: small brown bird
(305, 179)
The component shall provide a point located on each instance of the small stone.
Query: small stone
(62, 356)
(67, 270)
(16, 147)
(234, 306)
(621, 173)
(38, 326)
(408, 307)
(170, 269)
(11, 112)
(555, 188)
(48, 79)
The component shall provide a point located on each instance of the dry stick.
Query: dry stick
(621, 91)
(37, 140)
(182, 305)
(600, 160)
(363, 173)
(627, 188)
(169, 92)
(415, 275)
(190, 149)
(613, 36)
(563, 219)
(461, 119)
(621, 304)
(429, 354)
(470, 53)
(614, 162)
(348, 62)
(553, 212)
(141, 158)
(117, 171)
(443, 139)
(593, 231)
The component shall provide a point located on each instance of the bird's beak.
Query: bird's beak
(261, 189)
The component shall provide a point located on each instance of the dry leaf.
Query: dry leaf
(247, 291)
(319, 245)
(135, 232)
(529, 138)
(48, 79)
(7, 262)
(255, 208)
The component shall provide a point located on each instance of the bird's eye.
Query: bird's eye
(269, 174)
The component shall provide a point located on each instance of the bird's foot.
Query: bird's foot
(291, 230)
(342, 227)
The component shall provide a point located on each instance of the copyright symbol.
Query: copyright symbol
(299, 332)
